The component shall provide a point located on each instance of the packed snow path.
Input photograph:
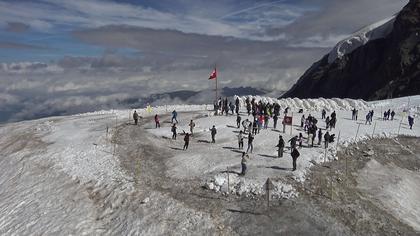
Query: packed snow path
(216, 163)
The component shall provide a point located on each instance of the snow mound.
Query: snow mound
(242, 186)
(375, 31)
(312, 104)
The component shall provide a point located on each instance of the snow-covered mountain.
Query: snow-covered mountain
(371, 32)
(380, 61)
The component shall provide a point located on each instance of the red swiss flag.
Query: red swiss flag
(287, 120)
(213, 74)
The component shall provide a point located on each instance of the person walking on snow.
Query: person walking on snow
(157, 122)
(174, 116)
(244, 161)
(173, 129)
(280, 146)
(250, 143)
(213, 134)
(392, 115)
(192, 125)
(136, 117)
(238, 121)
(186, 141)
(295, 154)
(240, 140)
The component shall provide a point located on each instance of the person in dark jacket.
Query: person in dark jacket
(292, 142)
(173, 129)
(280, 146)
(319, 136)
(174, 116)
(238, 121)
(213, 134)
(186, 141)
(275, 119)
(295, 154)
(326, 139)
(136, 117)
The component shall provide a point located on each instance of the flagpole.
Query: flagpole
(215, 69)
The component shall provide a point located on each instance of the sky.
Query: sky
(64, 57)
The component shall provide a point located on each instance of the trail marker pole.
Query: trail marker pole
(357, 133)
(228, 187)
(331, 180)
(399, 127)
(325, 154)
(374, 127)
(268, 186)
(291, 125)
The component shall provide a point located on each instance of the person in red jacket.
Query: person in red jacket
(157, 122)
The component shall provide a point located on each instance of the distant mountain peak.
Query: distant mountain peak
(378, 62)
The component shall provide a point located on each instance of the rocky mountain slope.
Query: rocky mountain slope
(378, 62)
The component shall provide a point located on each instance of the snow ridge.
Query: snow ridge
(377, 30)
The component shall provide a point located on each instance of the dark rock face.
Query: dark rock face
(382, 68)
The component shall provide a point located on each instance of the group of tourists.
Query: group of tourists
(261, 113)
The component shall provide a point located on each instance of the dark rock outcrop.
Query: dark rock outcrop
(383, 68)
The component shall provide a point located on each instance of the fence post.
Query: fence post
(357, 133)
(374, 127)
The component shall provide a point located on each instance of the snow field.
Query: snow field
(213, 163)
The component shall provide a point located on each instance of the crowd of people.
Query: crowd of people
(258, 118)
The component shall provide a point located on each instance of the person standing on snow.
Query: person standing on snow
(237, 104)
(300, 139)
(232, 107)
(302, 121)
(173, 129)
(157, 122)
(275, 118)
(136, 117)
(292, 142)
(238, 121)
(326, 139)
(324, 113)
(244, 161)
(319, 136)
(192, 125)
(280, 146)
(240, 140)
(410, 121)
(250, 143)
(295, 154)
(213, 134)
(392, 115)
(174, 116)
(186, 141)
(266, 120)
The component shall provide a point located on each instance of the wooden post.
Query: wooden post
(228, 187)
(374, 127)
(291, 126)
(331, 179)
(268, 186)
(399, 127)
(357, 133)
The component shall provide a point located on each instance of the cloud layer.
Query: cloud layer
(64, 57)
